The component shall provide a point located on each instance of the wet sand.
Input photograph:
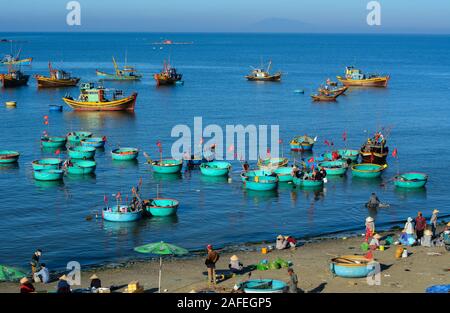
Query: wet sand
(424, 267)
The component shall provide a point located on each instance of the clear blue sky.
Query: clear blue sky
(398, 16)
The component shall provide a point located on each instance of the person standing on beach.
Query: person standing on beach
(370, 228)
(293, 281)
(35, 261)
(421, 224)
(210, 263)
(433, 222)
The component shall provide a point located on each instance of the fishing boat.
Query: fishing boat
(53, 141)
(367, 170)
(352, 266)
(93, 98)
(411, 180)
(48, 174)
(302, 143)
(96, 142)
(308, 182)
(8, 156)
(125, 154)
(82, 152)
(121, 213)
(272, 163)
(14, 78)
(161, 206)
(338, 167)
(128, 73)
(320, 97)
(262, 286)
(74, 138)
(284, 174)
(47, 164)
(260, 180)
(332, 91)
(11, 104)
(374, 150)
(57, 78)
(166, 166)
(259, 74)
(215, 168)
(10, 60)
(355, 77)
(80, 167)
(168, 76)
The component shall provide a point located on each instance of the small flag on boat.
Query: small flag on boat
(311, 160)
(105, 198)
(395, 153)
(344, 136)
(57, 151)
(326, 142)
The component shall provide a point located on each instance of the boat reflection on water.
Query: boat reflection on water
(359, 182)
(86, 177)
(260, 196)
(45, 185)
(213, 179)
(123, 228)
(98, 120)
(125, 164)
(411, 193)
(162, 222)
(158, 177)
(9, 166)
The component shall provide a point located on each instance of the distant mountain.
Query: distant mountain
(278, 25)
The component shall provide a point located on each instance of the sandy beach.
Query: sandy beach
(424, 267)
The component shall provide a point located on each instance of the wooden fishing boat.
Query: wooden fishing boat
(74, 138)
(215, 168)
(53, 141)
(57, 78)
(82, 152)
(284, 174)
(8, 156)
(161, 206)
(333, 91)
(263, 286)
(94, 99)
(355, 77)
(308, 182)
(48, 174)
(272, 163)
(14, 78)
(125, 154)
(167, 166)
(324, 97)
(367, 170)
(128, 73)
(121, 213)
(375, 151)
(259, 74)
(302, 143)
(96, 142)
(80, 167)
(168, 76)
(411, 180)
(352, 266)
(338, 167)
(47, 164)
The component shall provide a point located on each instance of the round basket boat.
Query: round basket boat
(302, 143)
(81, 152)
(368, 170)
(8, 156)
(284, 174)
(351, 266)
(215, 168)
(411, 180)
(308, 183)
(75, 137)
(47, 164)
(263, 286)
(125, 154)
(162, 207)
(48, 175)
(252, 173)
(81, 167)
(349, 154)
(121, 213)
(53, 141)
(261, 183)
(338, 167)
(96, 142)
(167, 166)
(272, 163)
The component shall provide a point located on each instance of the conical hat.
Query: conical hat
(93, 277)
(234, 258)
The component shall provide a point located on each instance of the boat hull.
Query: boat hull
(272, 78)
(11, 83)
(284, 174)
(107, 76)
(74, 138)
(125, 154)
(373, 157)
(48, 175)
(84, 167)
(411, 180)
(368, 170)
(273, 286)
(47, 164)
(162, 207)
(215, 168)
(260, 183)
(316, 184)
(352, 270)
(369, 82)
(334, 167)
(93, 142)
(81, 152)
(53, 142)
(125, 104)
(167, 167)
(121, 217)
(46, 82)
(8, 156)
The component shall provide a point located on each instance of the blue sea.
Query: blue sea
(52, 217)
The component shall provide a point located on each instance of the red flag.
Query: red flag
(118, 195)
(312, 166)
(326, 142)
(394, 153)
(57, 151)
(344, 136)
(104, 138)
(311, 160)
(105, 198)
(159, 145)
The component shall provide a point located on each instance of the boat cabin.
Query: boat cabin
(89, 93)
(353, 73)
(259, 73)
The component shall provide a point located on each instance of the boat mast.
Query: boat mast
(268, 66)
(116, 67)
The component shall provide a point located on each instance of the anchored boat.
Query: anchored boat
(93, 98)
(125, 154)
(80, 167)
(167, 166)
(48, 174)
(374, 150)
(128, 73)
(168, 76)
(260, 180)
(57, 78)
(351, 266)
(53, 141)
(74, 138)
(47, 164)
(14, 78)
(302, 143)
(272, 163)
(96, 142)
(82, 152)
(8, 156)
(355, 77)
(215, 168)
(308, 182)
(367, 170)
(161, 206)
(284, 174)
(411, 180)
(259, 74)
(338, 167)
(121, 213)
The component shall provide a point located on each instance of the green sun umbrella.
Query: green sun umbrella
(161, 248)
(10, 274)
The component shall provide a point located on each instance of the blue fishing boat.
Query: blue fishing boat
(260, 180)
(263, 286)
(121, 213)
(308, 182)
(82, 152)
(253, 173)
(368, 170)
(351, 266)
(302, 143)
(96, 142)
(81, 167)
(215, 168)
(53, 141)
(74, 138)
(284, 174)
(47, 175)
(338, 167)
(411, 180)
(8, 156)
(47, 164)
(161, 206)
(167, 166)
(125, 154)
